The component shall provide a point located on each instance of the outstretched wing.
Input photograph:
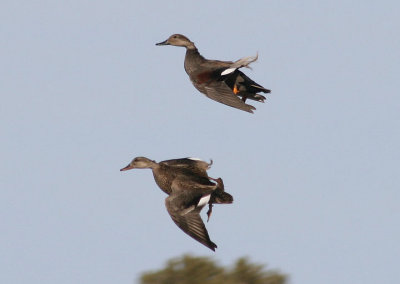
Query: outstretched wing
(184, 206)
(190, 222)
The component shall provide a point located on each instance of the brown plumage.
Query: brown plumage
(189, 189)
(219, 80)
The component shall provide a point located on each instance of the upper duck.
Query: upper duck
(189, 189)
(219, 80)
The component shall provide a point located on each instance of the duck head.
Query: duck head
(139, 163)
(178, 40)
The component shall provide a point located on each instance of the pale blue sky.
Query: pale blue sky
(314, 172)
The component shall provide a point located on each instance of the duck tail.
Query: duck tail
(221, 197)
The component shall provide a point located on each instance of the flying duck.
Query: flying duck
(221, 81)
(189, 189)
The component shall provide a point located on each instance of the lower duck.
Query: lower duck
(189, 190)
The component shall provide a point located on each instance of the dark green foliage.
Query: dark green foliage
(204, 270)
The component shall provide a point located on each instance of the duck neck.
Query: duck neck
(153, 165)
(192, 59)
(192, 51)
(191, 46)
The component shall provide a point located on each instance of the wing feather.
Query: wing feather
(190, 222)
(220, 92)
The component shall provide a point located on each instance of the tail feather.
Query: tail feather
(221, 197)
(251, 96)
(260, 88)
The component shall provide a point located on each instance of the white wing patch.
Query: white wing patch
(243, 62)
(228, 71)
(195, 159)
(204, 200)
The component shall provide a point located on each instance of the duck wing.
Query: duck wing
(220, 92)
(184, 206)
(194, 165)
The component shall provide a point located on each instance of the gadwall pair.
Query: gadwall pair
(219, 80)
(189, 189)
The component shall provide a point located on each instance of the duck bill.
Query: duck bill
(165, 42)
(128, 167)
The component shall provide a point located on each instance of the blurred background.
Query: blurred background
(314, 172)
